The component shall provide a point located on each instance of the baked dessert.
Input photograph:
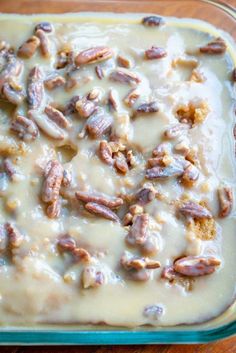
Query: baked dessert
(117, 170)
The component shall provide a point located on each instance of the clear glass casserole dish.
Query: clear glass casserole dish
(221, 15)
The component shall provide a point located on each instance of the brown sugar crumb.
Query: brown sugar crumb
(204, 228)
(193, 113)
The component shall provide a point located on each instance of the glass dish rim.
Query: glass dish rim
(35, 336)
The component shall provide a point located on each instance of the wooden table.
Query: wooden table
(226, 346)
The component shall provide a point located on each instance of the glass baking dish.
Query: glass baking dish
(223, 16)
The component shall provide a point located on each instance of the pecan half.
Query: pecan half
(54, 82)
(13, 96)
(70, 106)
(112, 100)
(105, 152)
(138, 263)
(57, 116)
(147, 108)
(51, 129)
(152, 21)
(138, 232)
(196, 265)
(225, 195)
(54, 209)
(124, 62)
(52, 182)
(175, 131)
(99, 72)
(125, 76)
(120, 163)
(101, 211)
(155, 53)
(131, 97)
(110, 202)
(92, 277)
(194, 210)
(176, 169)
(145, 195)
(35, 90)
(12, 69)
(98, 124)
(44, 43)
(28, 48)
(67, 243)
(44, 26)
(217, 46)
(14, 235)
(92, 55)
(85, 107)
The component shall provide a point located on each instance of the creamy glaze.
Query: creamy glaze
(41, 285)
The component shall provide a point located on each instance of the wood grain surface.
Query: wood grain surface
(33, 6)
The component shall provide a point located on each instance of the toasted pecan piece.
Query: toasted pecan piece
(54, 209)
(14, 235)
(101, 211)
(12, 95)
(35, 89)
(70, 106)
(44, 43)
(85, 107)
(112, 100)
(194, 266)
(25, 128)
(99, 72)
(110, 202)
(125, 76)
(57, 116)
(92, 55)
(138, 263)
(158, 172)
(138, 232)
(217, 46)
(190, 175)
(82, 254)
(120, 163)
(152, 21)
(105, 152)
(147, 108)
(92, 277)
(155, 53)
(67, 243)
(145, 195)
(54, 82)
(98, 124)
(131, 97)
(124, 62)
(9, 168)
(44, 26)
(11, 70)
(175, 131)
(52, 181)
(28, 48)
(225, 195)
(194, 210)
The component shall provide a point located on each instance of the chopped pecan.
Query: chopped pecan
(190, 175)
(35, 91)
(57, 116)
(99, 72)
(92, 55)
(46, 125)
(225, 195)
(15, 236)
(125, 76)
(9, 168)
(105, 152)
(196, 265)
(112, 100)
(158, 172)
(138, 263)
(67, 243)
(128, 219)
(147, 108)
(162, 149)
(12, 69)
(54, 209)
(70, 106)
(110, 202)
(94, 95)
(152, 21)
(124, 62)
(234, 75)
(82, 254)
(145, 195)
(131, 97)
(217, 46)
(63, 59)
(28, 48)
(44, 26)
(194, 210)
(193, 113)
(13, 96)
(120, 163)
(156, 161)
(155, 53)
(130, 158)
(67, 178)
(101, 211)
(92, 277)
(85, 107)
(138, 232)
(175, 131)
(44, 43)
(153, 312)
(98, 124)
(54, 82)
(169, 273)
(52, 182)
(136, 209)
